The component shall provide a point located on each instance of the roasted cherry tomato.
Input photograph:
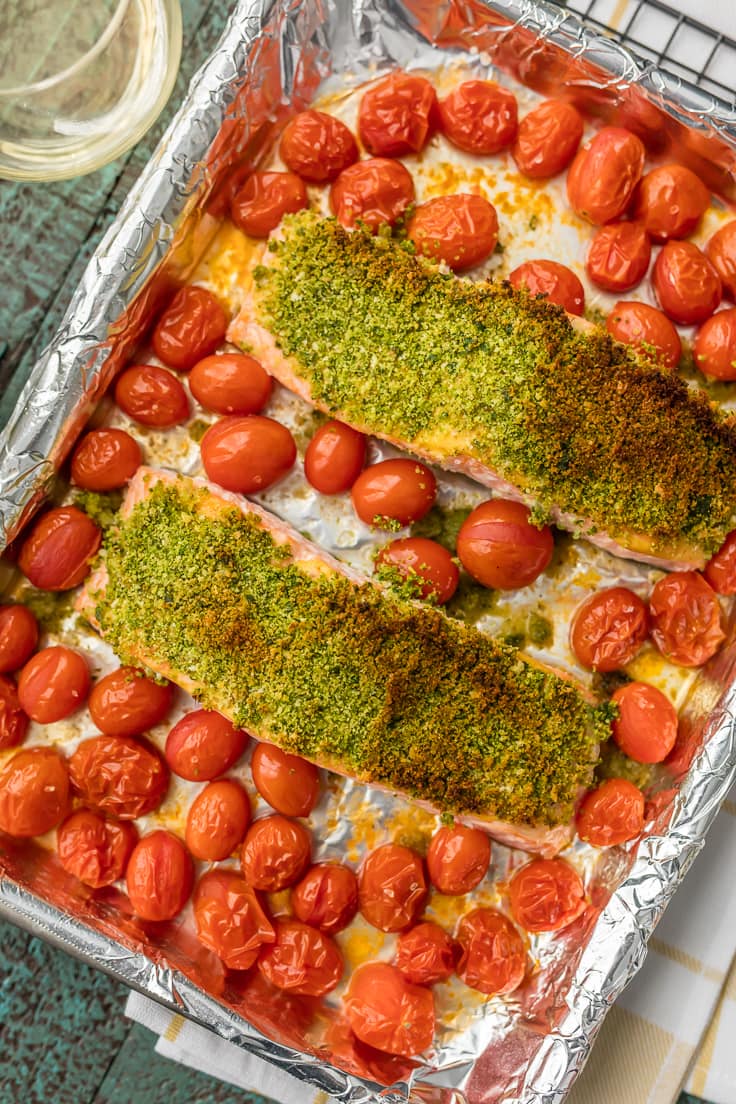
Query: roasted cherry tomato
(18, 637)
(334, 458)
(546, 895)
(317, 147)
(247, 454)
(618, 256)
(326, 897)
(394, 490)
(288, 783)
(425, 954)
(301, 960)
(720, 571)
(646, 726)
(389, 1013)
(548, 139)
(479, 116)
(126, 703)
(715, 346)
(686, 283)
(670, 201)
(159, 877)
(105, 459)
(230, 919)
(460, 229)
(13, 720)
(458, 859)
(721, 252)
(493, 958)
(53, 684)
(426, 562)
(602, 178)
(392, 887)
(498, 545)
(275, 854)
(373, 192)
(56, 553)
(395, 114)
(608, 629)
(119, 775)
(191, 327)
(556, 281)
(614, 813)
(232, 383)
(152, 396)
(93, 849)
(204, 744)
(264, 199)
(217, 821)
(34, 792)
(642, 326)
(686, 619)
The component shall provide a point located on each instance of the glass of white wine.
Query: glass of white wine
(81, 81)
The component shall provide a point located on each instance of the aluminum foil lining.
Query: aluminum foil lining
(272, 59)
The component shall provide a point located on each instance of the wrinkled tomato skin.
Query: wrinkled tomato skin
(334, 458)
(556, 281)
(119, 775)
(686, 284)
(618, 256)
(247, 454)
(479, 117)
(395, 115)
(721, 252)
(422, 559)
(387, 1012)
(18, 637)
(720, 571)
(204, 744)
(425, 954)
(232, 383)
(105, 459)
(13, 720)
(458, 859)
(372, 192)
(34, 792)
(53, 684)
(94, 849)
(317, 147)
(493, 958)
(191, 327)
(229, 918)
(499, 547)
(264, 199)
(548, 138)
(646, 726)
(275, 854)
(612, 814)
(608, 629)
(392, 887)
(217, 820)
(460, 229)
(546, 895)
(397, 490)
(159, 877)
(670, 201)
(152, 396)
(715, 346)
(686, 619)
(639, 324)
(602, 178)
(326, 897)
(301, 960)
(57, 552)
(126, 703)
(287, 782)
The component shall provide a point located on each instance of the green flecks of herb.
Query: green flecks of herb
(407, 585)
(499, 248)
(538, 630)
(197, 429)
(514, 639)
(50, 608)
(595, 315)
(533, 222)
(101, 506)
(471, 601)
(614, 764)
(389, 524)
(441, 525)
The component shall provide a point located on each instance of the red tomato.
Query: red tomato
(721, 252)
(720, 571)
(18, 637)
(53, 684)
(317, 146)
(686, 283)
(56, 553)
(493, 957)
(639, 325)
(229, 918)
(93, 849)
(546, 895)
(479, 116)
(670, 201)
(373, 192)
(422, 559)
(548, 139)
(204, 744)
(608, 629)
(614, 813)
(646, 726)
(301, 960)
(392, 887)
(34, 792)
(264, 199)
(191, 327)
(618, 256)
(119, 775)
(159, 877)
(458, 859)
(334, 458)
(232, 383)
(389, 1013)
(498, 545)
(686, 620)
(217, 821)
(394, 115)
(326, 897)
(558, 282)
(394, 490)
(461, 229)
(247, 454)
(715, 346)
(425, 954)
(126, 703)
(152, 396)
(602, 178)
(13, 721)
(288, 783)
(275, 854)
(105, 459)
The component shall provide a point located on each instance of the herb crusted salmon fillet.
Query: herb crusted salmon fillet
(234, 606)
(484, 379)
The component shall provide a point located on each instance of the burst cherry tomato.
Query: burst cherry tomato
(56, 553)
(301, 960)
(558, 282)
(191, 327)
(639, 325)
(204, 744)
(546, 895)
(646, 726)
(34, 792)
(493, 957)
(152, 396)
(608, 629)
(422, 559)
(264, 199)
(317, 147)
(394, 490)
(548, 139)
(275, 854)
(247, 454)
(461, 229)
(334, 458)
(387, 1012)
(119, 775)
(13, 720)
(715, 346)
(498, 545)
(373, 192)
(18, 637)
(614, 813)
(686, 620)
(686, 283)
(232, 383)
(126, 703)
(425, 954)
(618, 256)
(53, 684)
(602, 178)
(392, 887)
(394, 115)
(458, 859)
(93, 849)
(105, 459)
(721, 252)
(217, 821)
(159, 877)
(670, 201)
(479, 116)
(229, 918)
(720, 571)
(288, 783)
(326, 897)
